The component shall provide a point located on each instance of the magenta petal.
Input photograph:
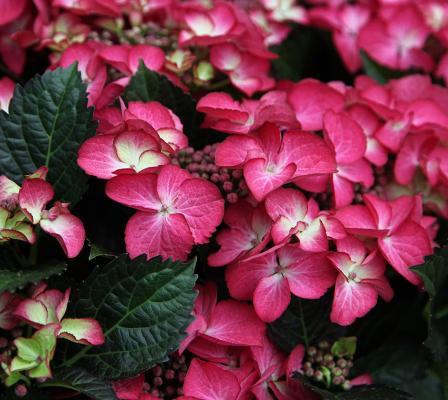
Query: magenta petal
(236, 324)
(136, 191)
(271, 297)
(351, 301)
(208, 381)
(68, 230)
(158, 234)
(200, 202)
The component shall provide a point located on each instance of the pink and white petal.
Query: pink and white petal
(32, 311)
(288, 203)
(151, 160)
(130, 145)
(156, 234)
(357, 219)
(314, 238)
(346, 136)
(236, 324)
(208, 381)
(69, 232)
(174, 138)
(376, 153)
(309, 274)
(202, 205)
(97, 157)
(136, 191)
(282, 229)
(406, 248)
(242, 277)
(263, 178)
(354, 247)
(9, 191)
(351, 300)
(82, 330)
(51, 299)
(154, 113)
(271, 297)
(33, 197)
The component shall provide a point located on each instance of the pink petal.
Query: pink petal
(353, 247)
(351, 301)
(236, 324)
(129, 389)
(343, 191)
(97, 157)
(310, 153)
(169, 182)
(271, 297)
(136, 191)
(68, 230)
(310, 100)
(157, 234)
(11, 10)
(314, 238)
(153, 57)
(236, 150)
(7, 87)
(262, 177)
(346, 136)
(33, 197)
(221, 105)
(242, 277)
(208, 381)
(155, 114)
(406, 248)
(82, 330)
(309, 274)
(200, 202)
(358, 219)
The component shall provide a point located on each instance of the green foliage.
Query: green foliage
(47, 122)
(434, 273)
(378, 72)
(298, 324)
(344, 347)
(143, 307)
(82, 381)
(12, 279)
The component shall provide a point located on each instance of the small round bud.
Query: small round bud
(312, 351)
(328, 358)
(157, 370)
(307, 366)
(146, 387)
(181, 376)
(232, 198)
(318, 375)
(342, 363)
(323, 345)
(227, 186)
(3, 342)
(157, 381)
(170, 374)
(336, 371)
(347, 385)
(21, 390)
(338, 380)
(309, 372)
(170, 390)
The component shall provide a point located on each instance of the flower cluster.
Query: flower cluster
(22, 208)
(44, 310)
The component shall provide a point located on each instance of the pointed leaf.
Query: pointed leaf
(143, 307)
(47, 122)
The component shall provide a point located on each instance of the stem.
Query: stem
(302, 322)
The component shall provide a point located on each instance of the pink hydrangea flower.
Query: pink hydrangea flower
(270, 278)
(360, 281)
(176, 211)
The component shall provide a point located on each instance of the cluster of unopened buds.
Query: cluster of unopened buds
(322, 365)
(22, 208)
(25, 358)
(201, 164)
(164, 381)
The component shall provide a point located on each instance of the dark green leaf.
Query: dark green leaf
(378, 72)
(82, 381)
(298, 324)
(11, 279)
(98, 251)
(147, 85)
(143, 307)
(434, 273)
(47, 122)
(371, 392)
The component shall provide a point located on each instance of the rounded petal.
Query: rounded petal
(68, 230)
(82, 330)
(33, 197)
(271, 297)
